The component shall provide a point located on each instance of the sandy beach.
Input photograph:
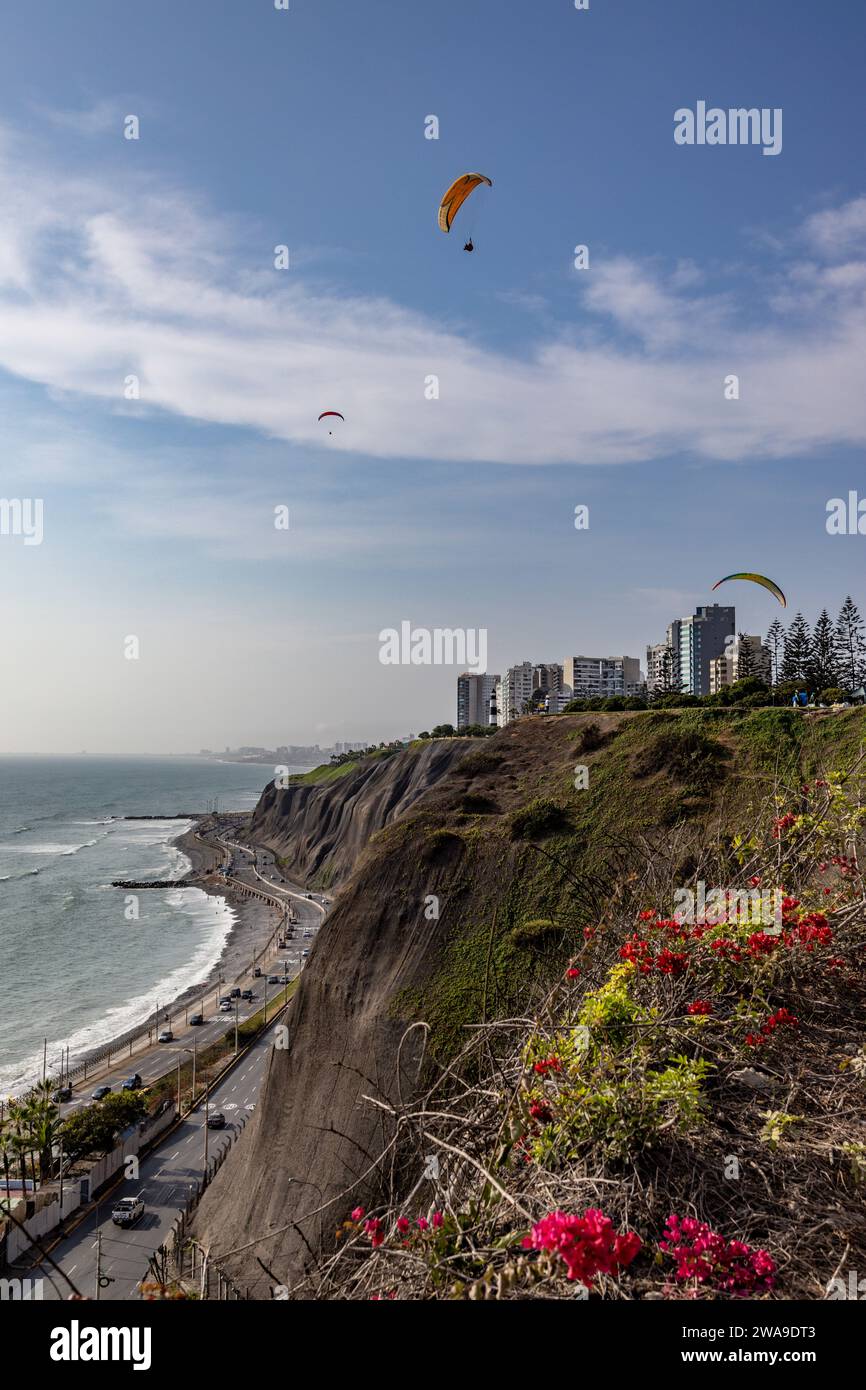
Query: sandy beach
(253, 925)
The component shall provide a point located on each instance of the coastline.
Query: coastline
(253, 923)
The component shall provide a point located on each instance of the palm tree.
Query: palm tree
(19, 1139)
(7, 1151)
(43, 1115)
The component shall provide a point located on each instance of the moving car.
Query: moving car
(166, 1035)
(235, 994)
(196, 1020)
(100, 1093)
(127, 1211)
(308, 933)
(273, 980)
(62, 1095)
(246, 994)
(132, 1083)
(226, 1006)
(257, 972)
(308, 895)
(216, 1120)
(305, 953)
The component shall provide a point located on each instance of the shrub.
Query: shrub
(688, 755)
(537, 818)
(591, 736)
(540, 931)
(481, 760)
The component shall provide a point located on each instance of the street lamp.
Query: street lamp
(191, 1052)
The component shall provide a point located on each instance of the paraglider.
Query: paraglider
(325, 413)
(455, 197)
(757, 579)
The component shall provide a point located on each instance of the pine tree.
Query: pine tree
(745, 664)
(667, 682)
(850, 646)
(775, 643)
(797, 650)
(821, 667)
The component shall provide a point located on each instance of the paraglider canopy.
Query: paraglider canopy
(757, 579)
(455, 197)
(335, 413)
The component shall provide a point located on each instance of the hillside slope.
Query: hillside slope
(319, 824)
(519, 864)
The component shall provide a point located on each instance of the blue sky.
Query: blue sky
(557, 387)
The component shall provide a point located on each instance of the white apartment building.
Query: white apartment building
(727, 668)
(593, 676)
(513, 693)
(473, 698)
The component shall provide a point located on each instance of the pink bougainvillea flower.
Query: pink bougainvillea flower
(358, 1214)
(587, 1244)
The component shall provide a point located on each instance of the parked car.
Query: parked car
(62, 1095)
(100, 1093)
(246, 994)
(216, 1120)
(132, 1083)
(257, 972)
(166, 1035)
(196, 1020)
(127, 1211)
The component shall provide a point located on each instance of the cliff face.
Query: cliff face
(320, 829)
(462, 904)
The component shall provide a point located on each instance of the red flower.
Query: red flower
(358, 1214)
(438, 1220)
(672, 962)
(572, 972)
(373, 1227)
(549, 1064)
(704, 1256)
(587, 1243)
(700, 1006)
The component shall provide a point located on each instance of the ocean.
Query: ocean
(72, 968)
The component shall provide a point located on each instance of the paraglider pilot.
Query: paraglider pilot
(469, 246)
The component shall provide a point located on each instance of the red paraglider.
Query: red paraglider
(325, 413)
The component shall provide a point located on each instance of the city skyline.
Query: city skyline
(161, 379)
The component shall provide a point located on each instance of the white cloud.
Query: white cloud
(838, 231)
(96, 284)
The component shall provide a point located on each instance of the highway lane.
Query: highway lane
(153, 1063)
(168, 1176)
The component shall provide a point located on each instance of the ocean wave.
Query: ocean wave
(205, 910)
(62, 850)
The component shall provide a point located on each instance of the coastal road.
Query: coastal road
(167, 1178)
(159, 1059)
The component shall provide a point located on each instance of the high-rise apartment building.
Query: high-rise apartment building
(735, 663)
(473, 698)
(698, 640)
(514, 692)
(593, 676)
